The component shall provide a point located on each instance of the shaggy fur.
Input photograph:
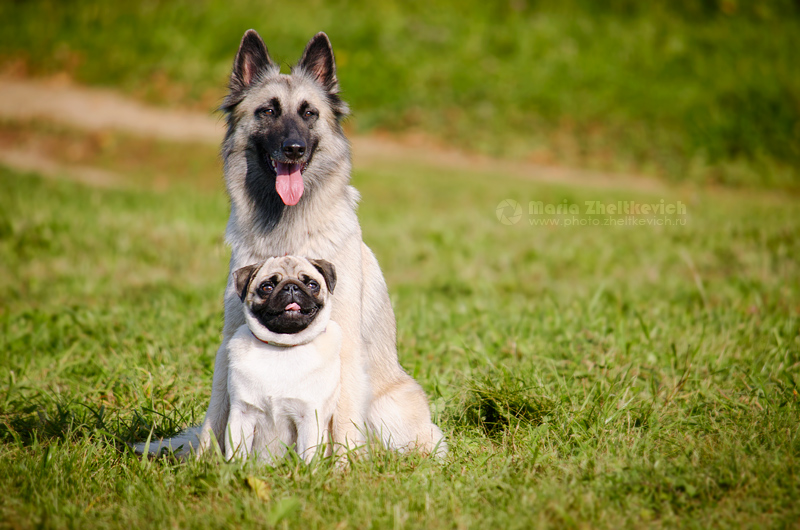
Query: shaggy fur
(272, 117)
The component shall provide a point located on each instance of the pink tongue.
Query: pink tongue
(293, 306)
(289, 184)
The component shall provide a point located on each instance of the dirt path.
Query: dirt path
(97, 110)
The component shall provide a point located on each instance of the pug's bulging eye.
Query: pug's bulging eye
(314, 286)
(264, 289)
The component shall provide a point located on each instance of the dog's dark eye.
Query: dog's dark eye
(264, 289)
(314, 286)
(265, 111)
(309, 113)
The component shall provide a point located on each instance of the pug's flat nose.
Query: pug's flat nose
(294, 149)
(291, 288)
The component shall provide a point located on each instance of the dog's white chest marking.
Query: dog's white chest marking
(281, 395)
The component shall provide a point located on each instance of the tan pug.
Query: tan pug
(283, 365)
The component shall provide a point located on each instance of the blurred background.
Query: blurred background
(692, 90)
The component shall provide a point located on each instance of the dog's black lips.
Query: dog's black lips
(268, 161)
(272, 313)
(285, 322)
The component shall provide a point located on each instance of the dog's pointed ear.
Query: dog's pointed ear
(327, 270)
(252, 61)
(242, 277)
(318, 61)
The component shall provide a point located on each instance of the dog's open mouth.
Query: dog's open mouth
(287, 318)
(294, 309)
(289, 180)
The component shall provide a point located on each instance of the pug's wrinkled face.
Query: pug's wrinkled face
(285, 294)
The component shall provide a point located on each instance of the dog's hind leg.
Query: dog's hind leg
(399, 411)
(399, 415)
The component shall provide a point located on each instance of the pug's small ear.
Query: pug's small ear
(327, 270)
(242, 277)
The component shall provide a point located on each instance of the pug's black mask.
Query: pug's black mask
(289, 306)
(286, 299)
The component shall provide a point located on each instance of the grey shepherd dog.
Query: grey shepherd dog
(287, 172)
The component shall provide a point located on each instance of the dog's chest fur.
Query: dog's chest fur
(310, 229)
(280, 380)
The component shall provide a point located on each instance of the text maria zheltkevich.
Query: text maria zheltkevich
(594, 213)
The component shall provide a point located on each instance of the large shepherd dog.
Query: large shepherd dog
(287, 171)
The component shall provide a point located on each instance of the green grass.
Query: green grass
(696, 90)
(597, 376)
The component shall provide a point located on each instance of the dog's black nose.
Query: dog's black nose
(294, 149)
(291, 288)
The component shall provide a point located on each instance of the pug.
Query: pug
(283, 364)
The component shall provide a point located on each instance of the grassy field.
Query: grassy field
(695, 90)
(590, 370)
(586, 376)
